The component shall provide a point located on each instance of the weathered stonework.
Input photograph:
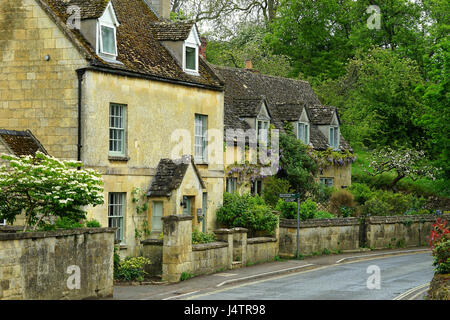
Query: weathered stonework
(439, 288)
(35, 265)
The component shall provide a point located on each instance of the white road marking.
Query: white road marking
(410, 291)
(181, 295)
(388, 255)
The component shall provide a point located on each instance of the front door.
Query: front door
(187, 206)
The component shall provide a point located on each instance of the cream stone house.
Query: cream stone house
(260, 102)
(114, 84)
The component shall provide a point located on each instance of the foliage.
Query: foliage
(247, 212)
(342, 203)
(201, 237)
(43, 186)
(64, 223)
(273, 187)
(440, 245)
(140, 200)
(308, 210)
(132, 269)
(116, 259)
(361, 192)
(297, 166)
(405, 162)
(93, 224)
(322, 193)
(329, 157)
(186, 276)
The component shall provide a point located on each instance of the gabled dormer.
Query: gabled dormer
(303, 127)
(334, 132)
(182, 40)
(101, 32)
(327, 121)
(263, 123)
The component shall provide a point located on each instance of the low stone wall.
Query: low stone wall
(319, 234)
(261, 249)
(399, 231)
(47, 265)
(353, 233)
(209, 257)
(153, 250)
(439, 288)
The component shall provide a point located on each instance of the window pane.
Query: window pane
(200, 139)
(116, 211)
(191, 58)
(109, 43)
(157, 215)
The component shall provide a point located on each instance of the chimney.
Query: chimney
(248, 65)
(162, 8)
(204, 42)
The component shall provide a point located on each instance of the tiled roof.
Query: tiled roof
(286, 99)
(169, 176)
(90, 9)
(138, 47)
(21, 143)
(172, 31)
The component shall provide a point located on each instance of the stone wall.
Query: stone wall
(398, 231)
(319, 234)
(209, 257)
(153, 250)
(353, 233)
(36, 266)
(261, 249)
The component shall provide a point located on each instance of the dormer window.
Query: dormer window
(107, 34)
(108, 44)
(191, 58)
(263, 131)
(303, 132)
(334, 137)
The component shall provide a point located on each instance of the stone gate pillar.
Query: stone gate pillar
(240, 245)
(226, 235)
(177, 247)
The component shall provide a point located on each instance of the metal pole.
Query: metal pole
(298, 227)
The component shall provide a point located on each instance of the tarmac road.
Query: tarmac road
(346, 281)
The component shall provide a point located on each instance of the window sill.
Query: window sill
(118, 159)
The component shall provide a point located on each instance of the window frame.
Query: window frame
(334, 138)
(153, 215)
(120, 232)
(306, 129)
(114, 153)
(232, 185)
(196, 54)
(324, 179)
(3, 223)
(101, 49)
(263, 122)
(203, 158)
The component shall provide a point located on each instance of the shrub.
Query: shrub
(288, 210)
(361, 192)
(308, 209)
(64, 223)
(200, 237)
(323, 215)
(132, 269)
(273, 187)
(342, 203)
(441, 254)
(375, 207)
(93, 224)
(322, 193)
(247, 212)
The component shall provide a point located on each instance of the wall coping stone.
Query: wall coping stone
(10, 229)
(54, 234)
(152, 242)
(223, 231)
(399, 219)
(292, 223)
(209, 246)
(177, 218)
(240, 230)
(260, 240)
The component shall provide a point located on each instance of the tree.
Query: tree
(297, 166)
(43, 186)
(404, 162)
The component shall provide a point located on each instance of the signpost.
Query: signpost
(292, 197)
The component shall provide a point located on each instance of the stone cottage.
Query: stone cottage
(258, 102)
(117, 86)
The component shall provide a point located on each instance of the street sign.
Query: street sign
(289, 195)
(290, 199)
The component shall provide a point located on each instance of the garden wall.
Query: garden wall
(319, 234)
(353, 233)
(176, 254)
(43, 265)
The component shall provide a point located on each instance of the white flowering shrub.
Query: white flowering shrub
(43, 186)
(404, 162)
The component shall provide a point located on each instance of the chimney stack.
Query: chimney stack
(248, 65)
(162, 8)
(204, 42)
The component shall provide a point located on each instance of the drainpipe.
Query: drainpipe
(80, 73)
